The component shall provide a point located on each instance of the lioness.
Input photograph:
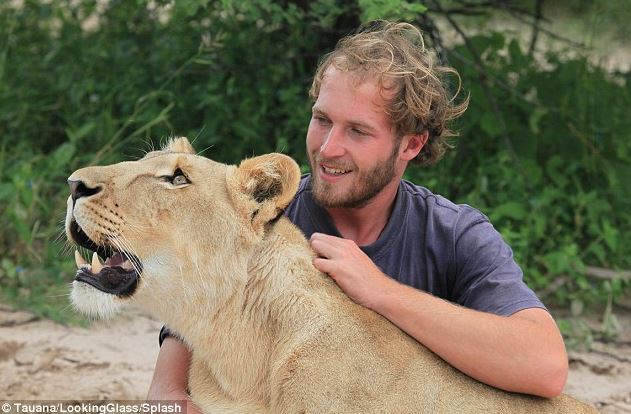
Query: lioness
(205, 248)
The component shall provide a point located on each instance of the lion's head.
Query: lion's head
(153, 223)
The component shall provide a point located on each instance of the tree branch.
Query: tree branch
(607, 274)
(543, 30)
(483, 76)
(535, 28)
(552, 287)
(434, 34)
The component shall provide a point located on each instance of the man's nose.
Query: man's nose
(333, 144)
(79, 189)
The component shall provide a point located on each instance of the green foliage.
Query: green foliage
(546, 156)
(600, 16)
(83, 82)
(390, 10)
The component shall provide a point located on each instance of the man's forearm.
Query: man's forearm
(171, 370)
(170, 376)
(521, 353)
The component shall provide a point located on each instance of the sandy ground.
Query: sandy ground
(114, 360)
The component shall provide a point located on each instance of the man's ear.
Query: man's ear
(261, 187)
(412, 144)
(180, 144)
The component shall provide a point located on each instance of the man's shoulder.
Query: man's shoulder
(438, 207)
(301, 200)
(304, 188)
(304, 185)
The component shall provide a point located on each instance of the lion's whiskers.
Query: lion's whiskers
(65, 249)
(125, 247)
(66, 246)
(133, 259)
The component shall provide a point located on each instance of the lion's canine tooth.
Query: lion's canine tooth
(127, 265)
(79, 260)
(97, 266)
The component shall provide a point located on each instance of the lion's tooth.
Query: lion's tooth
(79, 260)
(127, 265)
(97, 266)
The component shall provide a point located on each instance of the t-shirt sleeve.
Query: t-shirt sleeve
(166, 332)
(487, 278)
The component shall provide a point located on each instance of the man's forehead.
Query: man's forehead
(359, 77)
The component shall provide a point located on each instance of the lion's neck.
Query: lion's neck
(282, 282)
(275, 310)
(271, 299)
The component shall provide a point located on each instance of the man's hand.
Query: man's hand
(350, 267)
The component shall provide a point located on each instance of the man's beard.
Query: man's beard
(366, 186)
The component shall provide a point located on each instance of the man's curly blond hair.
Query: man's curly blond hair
(418, 99)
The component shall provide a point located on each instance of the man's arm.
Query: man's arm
(170, 376)
(521, 353)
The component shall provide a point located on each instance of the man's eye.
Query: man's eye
(358, 131)
(321, 120)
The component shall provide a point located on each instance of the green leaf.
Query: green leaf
(539, 225)
(556, 263)
(82, 132)
(535, 118)
(553, 168)
(511, 209)
(9, 268)
(490, 124)
(6, 191)
(517, 56)
(610, 235)
(22, 229)
(390, 9)
(62, 155)
(598, 251)
(532, 170)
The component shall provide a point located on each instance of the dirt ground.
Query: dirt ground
(114, 360)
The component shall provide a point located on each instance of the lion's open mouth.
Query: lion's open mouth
(117, 275)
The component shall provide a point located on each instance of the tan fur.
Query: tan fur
(269, 333)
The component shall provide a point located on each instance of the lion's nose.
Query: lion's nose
(78, 189)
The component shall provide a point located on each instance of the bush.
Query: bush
(85, 82)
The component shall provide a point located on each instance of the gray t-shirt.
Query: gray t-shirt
(449, 250)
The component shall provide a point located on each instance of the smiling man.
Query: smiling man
(437, 270)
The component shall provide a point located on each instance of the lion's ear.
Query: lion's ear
(180, 144)
(261, 187)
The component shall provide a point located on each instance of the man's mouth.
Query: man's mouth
(117, 274)
(334, 171)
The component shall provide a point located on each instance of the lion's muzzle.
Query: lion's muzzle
(117, 275)
(119, 271)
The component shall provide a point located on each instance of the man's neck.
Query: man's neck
(363, 225)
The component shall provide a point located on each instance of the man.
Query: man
(437, 270)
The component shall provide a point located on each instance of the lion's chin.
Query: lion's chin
(92, 302)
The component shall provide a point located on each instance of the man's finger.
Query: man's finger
(326, 238)
(324, 248)
(324, 265)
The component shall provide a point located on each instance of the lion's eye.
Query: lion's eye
(178, 178)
